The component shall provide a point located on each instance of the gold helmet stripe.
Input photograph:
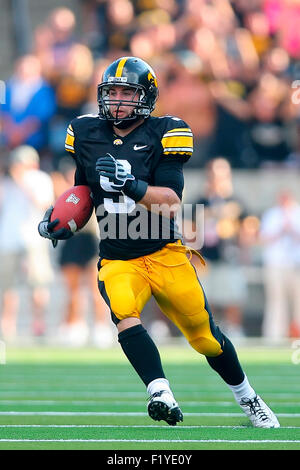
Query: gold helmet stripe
(120, 67)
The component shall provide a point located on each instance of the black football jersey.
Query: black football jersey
(153, 152)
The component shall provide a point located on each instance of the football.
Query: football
(73, 208)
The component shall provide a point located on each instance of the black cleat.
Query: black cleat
(162, 406)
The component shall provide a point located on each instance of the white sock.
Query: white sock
(157, 385)
(243, 390)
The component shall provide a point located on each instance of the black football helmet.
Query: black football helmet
(136, 74)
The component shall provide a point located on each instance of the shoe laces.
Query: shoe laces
(156, 394)
(255, 408)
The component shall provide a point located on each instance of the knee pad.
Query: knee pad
(207, 346)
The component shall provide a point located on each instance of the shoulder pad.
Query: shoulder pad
(77, 128)
(84, 121)
(70, 138)
(90, 115)
(177, 137)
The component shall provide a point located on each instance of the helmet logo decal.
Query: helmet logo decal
(152, 78)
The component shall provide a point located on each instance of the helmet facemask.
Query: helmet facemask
(137, 102)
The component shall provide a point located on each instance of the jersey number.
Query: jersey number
(125, 204)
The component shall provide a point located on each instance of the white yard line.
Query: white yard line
(130, 394)
(139, 403)
(178, 387)
(125, 413)
(128, 426)
(250, 441)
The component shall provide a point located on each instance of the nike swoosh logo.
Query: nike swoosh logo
(139, 147)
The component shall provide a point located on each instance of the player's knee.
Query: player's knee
(128, 323)
(207, 346)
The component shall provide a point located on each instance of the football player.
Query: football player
(133, 163)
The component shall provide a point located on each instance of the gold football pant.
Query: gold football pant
(170, 277)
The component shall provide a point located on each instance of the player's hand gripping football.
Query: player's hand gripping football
(113, 170)
(46, 227)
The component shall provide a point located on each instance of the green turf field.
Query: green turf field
(92, 399)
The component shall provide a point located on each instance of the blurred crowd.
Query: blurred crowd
(229, 68)
(226, 67)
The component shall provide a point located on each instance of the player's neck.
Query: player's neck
(124, 132)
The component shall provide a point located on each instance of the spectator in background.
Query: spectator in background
(25, 194)
(284, 17)
(91, 105)
(280, 238)
(120, 24)
(29, 107)
(95, 26)
(68, 65)
(224, 280)
(108, 25)
(53, 40)
(269, 122)
(71, 88)
(186, 95)
(78, 261)
(62, 22)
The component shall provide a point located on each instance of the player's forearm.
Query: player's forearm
(161, 200)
